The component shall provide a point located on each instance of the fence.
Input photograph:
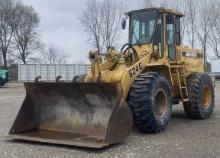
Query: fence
(13, 72)
(29, 72)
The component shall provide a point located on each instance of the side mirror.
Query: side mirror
(123, 25)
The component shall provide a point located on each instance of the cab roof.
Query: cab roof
(161, 9)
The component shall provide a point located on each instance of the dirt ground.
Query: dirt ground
(182, 138)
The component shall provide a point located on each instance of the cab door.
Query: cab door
(170, 34)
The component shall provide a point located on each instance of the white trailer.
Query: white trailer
(28, 73)
(216, 66)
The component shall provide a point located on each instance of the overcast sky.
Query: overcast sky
(60, 25)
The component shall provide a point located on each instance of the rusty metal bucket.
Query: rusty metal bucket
(82, 114)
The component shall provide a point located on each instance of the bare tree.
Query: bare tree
(1, 63)
(215, 32)
(52, 55)
(191, 18)
(101, 20)
(205, 25)
(149, 3)
(112, 12)
(156, 3)
(91, 20)
(7, 13)
(25, 33)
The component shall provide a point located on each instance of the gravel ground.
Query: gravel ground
(182, 138)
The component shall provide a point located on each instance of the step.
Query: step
(174, 74)
(176, 66)
(183, 87)
(179, 75)
(185, 99)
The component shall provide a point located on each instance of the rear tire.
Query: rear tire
(151, 102)
(201, 96)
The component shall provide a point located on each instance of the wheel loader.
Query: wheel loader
(134, 86)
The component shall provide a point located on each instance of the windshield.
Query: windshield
(142, 25)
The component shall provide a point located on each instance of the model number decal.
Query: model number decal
(135, 69)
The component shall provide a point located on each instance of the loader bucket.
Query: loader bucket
(90, 115)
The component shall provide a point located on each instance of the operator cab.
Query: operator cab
(157, 26)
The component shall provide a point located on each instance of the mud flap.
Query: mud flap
(82, 114)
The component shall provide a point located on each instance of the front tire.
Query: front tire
(201, 96)
(151, 102)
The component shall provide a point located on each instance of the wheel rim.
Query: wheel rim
(207, 97)
(160, 103)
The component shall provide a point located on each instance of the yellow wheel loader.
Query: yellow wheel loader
(134, 86)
